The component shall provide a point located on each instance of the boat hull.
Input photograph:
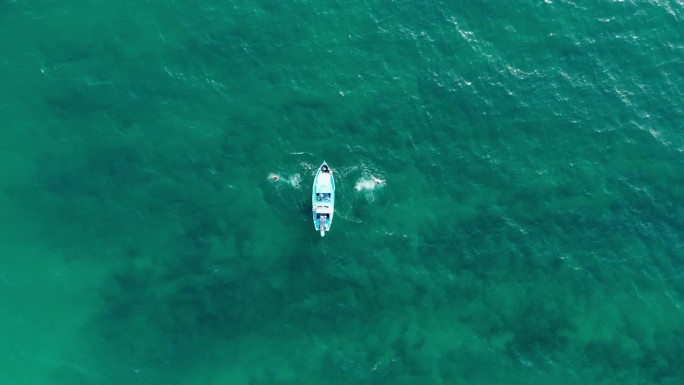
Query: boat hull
(323, 199)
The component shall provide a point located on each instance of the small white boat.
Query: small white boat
(323, 199)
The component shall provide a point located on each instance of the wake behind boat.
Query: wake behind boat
(323, 199)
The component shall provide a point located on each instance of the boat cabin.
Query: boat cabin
(323, 197)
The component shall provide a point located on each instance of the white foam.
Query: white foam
(365, 184)
(273, 177)
(295, 180)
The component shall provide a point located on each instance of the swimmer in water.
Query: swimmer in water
(376, 180)
(274, 177)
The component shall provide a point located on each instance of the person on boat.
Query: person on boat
(325, 168)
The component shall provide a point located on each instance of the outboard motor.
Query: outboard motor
(322, 226)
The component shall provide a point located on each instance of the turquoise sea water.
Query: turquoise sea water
(531, 230)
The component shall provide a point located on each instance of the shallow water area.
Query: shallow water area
(528, 227)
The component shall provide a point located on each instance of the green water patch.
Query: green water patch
(528, 229)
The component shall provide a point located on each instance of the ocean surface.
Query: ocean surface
(530, 230)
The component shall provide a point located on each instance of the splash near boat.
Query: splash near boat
(323, 199)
